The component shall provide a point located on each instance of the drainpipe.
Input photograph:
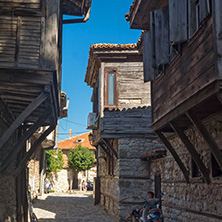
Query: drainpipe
(72, 21)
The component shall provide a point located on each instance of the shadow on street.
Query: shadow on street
(64, 207)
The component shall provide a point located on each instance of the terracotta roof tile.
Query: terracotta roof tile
(128, 15)
(124, 109)
(104, 47)
(112, 46)
(75, 141)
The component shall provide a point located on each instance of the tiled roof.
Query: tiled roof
(124, 109)
(73, 142)
(106, 47)
(113, 46)
(154, 154)
(128, 15)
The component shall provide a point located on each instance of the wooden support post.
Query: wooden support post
(20, 119)
(174, 154)
(190, 147)
(17, 147)
(104, 149)
(207, 137)
(110, 147)
(34, 147)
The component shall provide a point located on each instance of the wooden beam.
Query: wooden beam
(21, 142)
(110, 147)
(190, 147)
(20, 119)
(104, 149)
(174, 154)
(207, 137)
(34, 147)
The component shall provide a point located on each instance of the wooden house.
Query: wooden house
(30, 85)
(121, 111)
(181, 47)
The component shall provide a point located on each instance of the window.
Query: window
(198, 11)
(110, 87)
(195, 170)
(216, 171)
(194, 16)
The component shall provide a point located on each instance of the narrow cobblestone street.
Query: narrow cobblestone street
(62, 207)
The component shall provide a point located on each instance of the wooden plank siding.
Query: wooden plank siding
(187, 74)
(131, 89)
(27, 4)
(20, 41)
(129, 122)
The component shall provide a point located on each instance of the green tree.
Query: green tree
(54, 160)
(80, 158)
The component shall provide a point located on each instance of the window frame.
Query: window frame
(107, 71)
(213, 164)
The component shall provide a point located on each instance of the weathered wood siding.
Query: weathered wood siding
(27, 4)
(187, 74)
(131, 89)
(128, 122)
(30, 41)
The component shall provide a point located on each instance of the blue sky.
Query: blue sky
(107, 24)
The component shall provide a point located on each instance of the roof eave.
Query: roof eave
(139, 17)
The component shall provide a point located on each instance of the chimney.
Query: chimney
(70, 134)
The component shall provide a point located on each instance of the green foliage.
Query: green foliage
(54, 160)
(80, 158)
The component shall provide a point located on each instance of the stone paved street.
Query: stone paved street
(62, 207)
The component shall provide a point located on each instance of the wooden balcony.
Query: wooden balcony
(135, 122)
(190, 83)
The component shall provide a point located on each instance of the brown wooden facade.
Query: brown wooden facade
(115, 120)
(185, 71)
(119, 122)
(30, 79)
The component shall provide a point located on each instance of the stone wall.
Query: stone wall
(196, 201)
(134, 174)
(120, 191)
(7, 180)
(60, 180)
(34, 173)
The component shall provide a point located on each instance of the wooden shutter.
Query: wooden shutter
(178, 20)
(204, 9)
(147, 58)
(8, 40)
(162, 44)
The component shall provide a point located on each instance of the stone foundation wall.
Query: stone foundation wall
(7, 180)
(34, 174)
(196, 201)
(120, 191)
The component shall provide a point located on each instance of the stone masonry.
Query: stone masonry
(196, 201)
(7, 181)
(131, 178)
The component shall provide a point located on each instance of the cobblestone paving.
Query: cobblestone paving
(62, 207)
